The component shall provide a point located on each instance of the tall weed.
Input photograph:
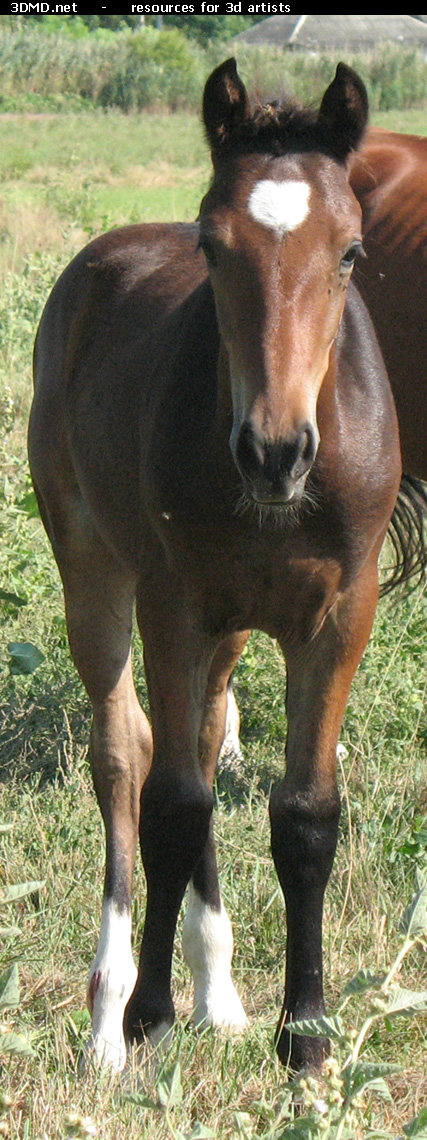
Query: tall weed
(163, 68)
(130, 71)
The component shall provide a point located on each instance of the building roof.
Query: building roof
(320, 32)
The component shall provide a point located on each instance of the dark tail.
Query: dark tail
(407, 535)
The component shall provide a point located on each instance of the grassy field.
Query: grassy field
(64, 178)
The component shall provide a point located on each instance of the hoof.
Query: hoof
(144, 1023)
(106, 1000)
(101, 1053)
(222, 1009)
(297, 1053)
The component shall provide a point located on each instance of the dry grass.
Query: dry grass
(45, 781)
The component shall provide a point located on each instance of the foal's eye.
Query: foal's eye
(348, 259)
(209, 251)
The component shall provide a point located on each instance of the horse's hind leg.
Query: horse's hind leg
(230, 755)
(177, 799)
(207, 934)
(99, 597)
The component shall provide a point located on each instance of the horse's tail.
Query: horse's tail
(407, 535)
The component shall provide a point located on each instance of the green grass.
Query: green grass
(61, 185)
(413, 122)
(94, 138)
(65, 177)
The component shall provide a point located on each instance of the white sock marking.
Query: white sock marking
(281, 206)
(207, 940)
(112, 978)
(231, 756)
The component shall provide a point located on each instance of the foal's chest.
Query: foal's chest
(259, 578)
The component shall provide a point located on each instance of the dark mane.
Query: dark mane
(278, 128)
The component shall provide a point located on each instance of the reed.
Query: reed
(151, 69)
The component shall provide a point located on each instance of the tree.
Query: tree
(205, 28)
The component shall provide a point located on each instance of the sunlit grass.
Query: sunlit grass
(49, 207)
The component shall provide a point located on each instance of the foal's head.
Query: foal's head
(280, 229)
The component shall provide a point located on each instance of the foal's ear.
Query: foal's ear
(225, 105)
(343, 114)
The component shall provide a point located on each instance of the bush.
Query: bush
(163, 68)
(129, 71)
(395, 77)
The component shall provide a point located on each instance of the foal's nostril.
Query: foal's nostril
(249, 452)
(288, 458)
(273, 468)
(306, 451)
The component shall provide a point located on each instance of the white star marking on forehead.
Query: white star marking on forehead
(281, 206)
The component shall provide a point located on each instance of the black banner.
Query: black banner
(201, 8)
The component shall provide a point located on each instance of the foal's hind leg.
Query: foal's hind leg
(177, 799)
(99, 597)
(207, 935)
(230, 754)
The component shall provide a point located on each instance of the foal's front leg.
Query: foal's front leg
(99, 596)
(176, 808)
(305, 807)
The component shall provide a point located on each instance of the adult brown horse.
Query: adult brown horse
(214, 434)
(390, 180)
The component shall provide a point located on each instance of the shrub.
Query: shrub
(153, 68)
(130, 71)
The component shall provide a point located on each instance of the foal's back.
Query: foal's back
(389, 178)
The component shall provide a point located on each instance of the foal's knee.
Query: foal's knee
(175, 814)
(304, 834)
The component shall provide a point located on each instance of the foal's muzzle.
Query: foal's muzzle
(275, 473)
